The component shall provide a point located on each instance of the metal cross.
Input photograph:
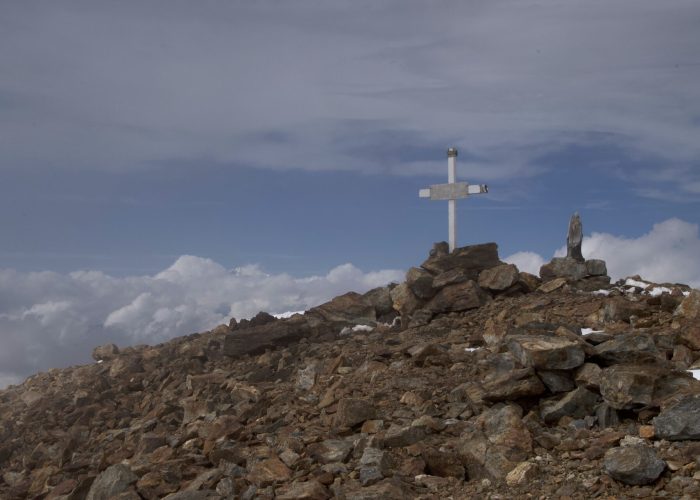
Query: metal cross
(452, 191)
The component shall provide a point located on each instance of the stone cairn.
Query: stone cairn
(573, 269)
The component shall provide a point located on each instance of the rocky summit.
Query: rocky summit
(470, 379)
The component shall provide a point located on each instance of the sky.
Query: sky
(166, 165)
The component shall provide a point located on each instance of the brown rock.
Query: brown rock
(420, 282)
(105, 352)
(268, 471)
(546, 353)
(472, 259)
(499, 278)
(307, 490)
(460, 297)
(352, 412)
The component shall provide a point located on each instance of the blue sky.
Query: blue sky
(281, 141)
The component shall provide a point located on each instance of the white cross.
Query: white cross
(452, 191)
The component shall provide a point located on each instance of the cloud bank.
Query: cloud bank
(670, 252)
(50, 320)
(351, 85)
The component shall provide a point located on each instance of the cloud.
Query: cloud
(530, 262)
(667, 253)
(325, 86)
(51, 320)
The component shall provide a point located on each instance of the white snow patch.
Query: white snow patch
(588, 331)
(685, 294)
(287, 314)
(471, 349)
(696, 374)
(658, 290)
(635, 283)
(601, 292)
(357, 328)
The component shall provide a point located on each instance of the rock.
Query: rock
(588, 376)
(574, 238)
(596, 267)
(105, 352)
(444, 464)
(420, 282)
(471, 259)
(397, 436)
(268, 471)
(499, 278)
(306, 378)
(330, 450)
(307, 490)
(404, 300)
(350, 308)
(552, 285)
(114, 480)
(256, 340)
(510, 384)
(621, 309)
(546, 353)
(352, 411)
(370, 475)
(523, 473)
(680, 421)
(689, 308)
(577, 404)
(451, 277)
(634, 465)
(529, 282)
(380, 299)
(563, 267)
(627, 386)
(495, 443)
(690, 336)
(557, 380)
(459, 297)
(629, 348)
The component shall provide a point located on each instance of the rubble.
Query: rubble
(491, 386)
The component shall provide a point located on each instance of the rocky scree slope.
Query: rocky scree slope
(469, 380)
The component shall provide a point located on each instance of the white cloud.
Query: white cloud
(50, 319)
(668, 253)
(530, 262)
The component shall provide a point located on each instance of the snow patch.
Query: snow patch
(357, 328)
(287, 314)
(588, 331)
(601, 292)
(696, 374)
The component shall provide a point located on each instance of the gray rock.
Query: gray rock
(563, 267)
(679, 421)
(574, 238)
(607, 416)
(557, 380)
(577, 404)
(114, 480)
(105, 352)
(546, 352)
(627, 386)
(499, 278)
(629, 348)
(397, 436)
(588, 376)
(451, 277)
(509, 384)
(596, 267)
(404, 300)
(634, 465)
(330, 450)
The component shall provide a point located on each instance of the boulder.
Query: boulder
(420, 282)
(557, 380)
(471, 259)
(459, 297)
(404, 300)
(627, 386)
(105, 352)
(689, 309)
(596, 267)
(451, 277)
(380, 299)
(353, 411)
(499, 278)
(256, 340)
(577, 404)
(563, 267)
(546, 352)
(679, 421)
(268, 471)
(633, 465)
(115, 479)
(510, 384)
(330, 451)
(350, 308)
(306, 490)
(628, 348)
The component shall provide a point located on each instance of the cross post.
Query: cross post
(451, 192)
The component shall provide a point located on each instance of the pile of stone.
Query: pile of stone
(574, 269)
(492, 386)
